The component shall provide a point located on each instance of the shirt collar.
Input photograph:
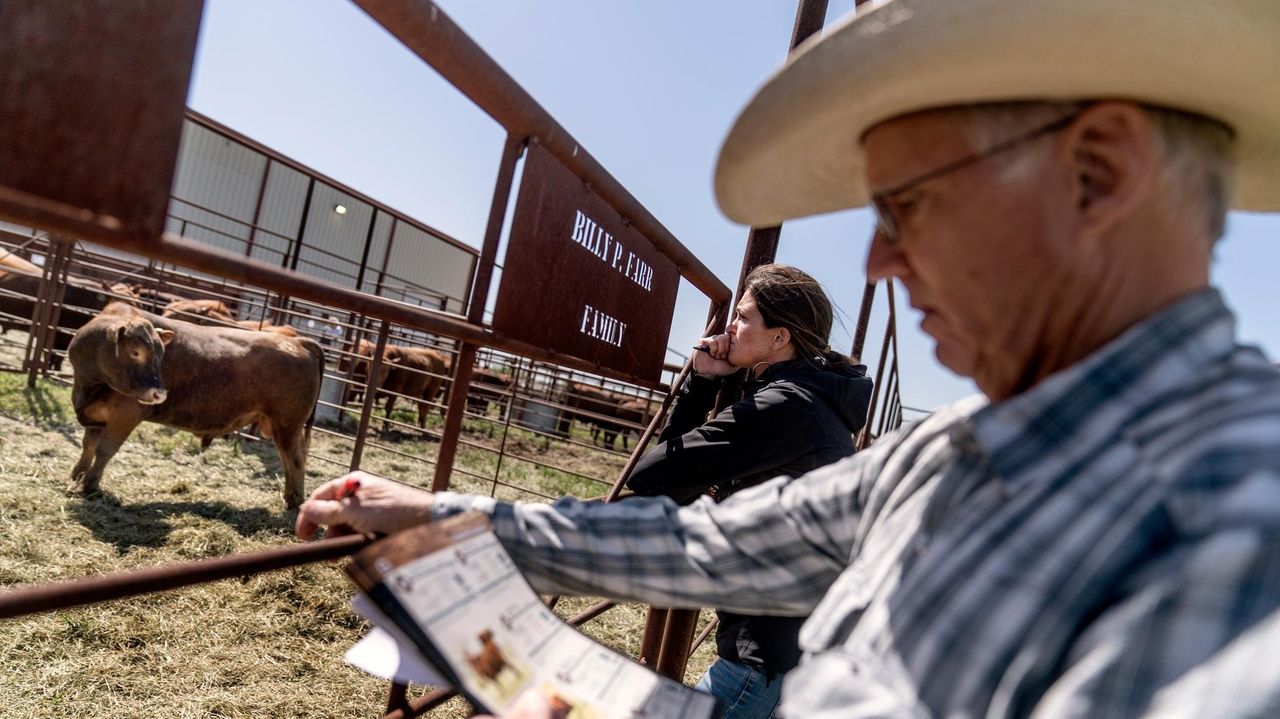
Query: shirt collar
(1090, 402)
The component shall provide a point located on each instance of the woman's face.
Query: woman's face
(750, 342)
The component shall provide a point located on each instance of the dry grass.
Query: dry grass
(268, 645)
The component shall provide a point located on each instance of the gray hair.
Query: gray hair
(1197, 173)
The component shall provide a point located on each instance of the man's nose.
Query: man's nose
(885, 259)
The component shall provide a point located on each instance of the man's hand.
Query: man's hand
(364, 503)
(715, 361)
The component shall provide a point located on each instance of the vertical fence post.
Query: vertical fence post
(35, 335)
(506, 426)
(864, 319)
(47, 309)
(466, 357)
(864, 439)
(370, 393)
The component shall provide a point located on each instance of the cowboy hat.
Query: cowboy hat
(795, 150)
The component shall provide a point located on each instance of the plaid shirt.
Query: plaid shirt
(1103, 545)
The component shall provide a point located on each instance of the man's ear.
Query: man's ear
(166, 336)
(1113, 159)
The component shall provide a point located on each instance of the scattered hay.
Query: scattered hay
(268, 645)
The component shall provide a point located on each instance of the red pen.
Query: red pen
(348, 488)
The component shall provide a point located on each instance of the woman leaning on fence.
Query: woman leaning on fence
(801, 406)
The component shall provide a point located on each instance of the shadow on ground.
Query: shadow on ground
(149, 524)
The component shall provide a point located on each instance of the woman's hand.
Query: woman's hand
(715, 361)
(364, 503)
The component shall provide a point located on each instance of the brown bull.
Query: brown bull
(257, 326)
(413, 372)
(131, 366)
(146, 298)
(216, 312)
(487, 386)
(202, 312)
(606, 413)
(19, 285)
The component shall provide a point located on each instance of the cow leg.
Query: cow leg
(87, 444)
(109, 440)
(423, 409)
(292, 446)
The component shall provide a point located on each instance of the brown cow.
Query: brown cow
(488, 386)
(132, 366)
(19, 285)
(604, 412)
(257, 326)
(635, 411)
(147, 298)
(216, 312)
(203, 312)
(489, 661)
(413, 372)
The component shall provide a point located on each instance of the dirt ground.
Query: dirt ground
(268, 645)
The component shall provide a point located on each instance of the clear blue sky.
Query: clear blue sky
(649, 88)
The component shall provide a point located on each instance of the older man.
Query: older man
(1100, 535)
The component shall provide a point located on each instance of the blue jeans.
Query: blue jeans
(745, 693)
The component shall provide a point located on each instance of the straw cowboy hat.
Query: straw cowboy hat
(795, 150)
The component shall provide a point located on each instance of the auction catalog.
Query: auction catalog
(450, 591)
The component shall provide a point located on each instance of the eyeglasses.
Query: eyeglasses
(882, 202)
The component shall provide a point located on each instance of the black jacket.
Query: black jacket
(795, 418)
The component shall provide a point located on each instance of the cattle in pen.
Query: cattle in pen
(415, 373)
(133, 367)
(19, 286)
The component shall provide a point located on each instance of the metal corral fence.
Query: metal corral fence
(544, 430)
(513, 396)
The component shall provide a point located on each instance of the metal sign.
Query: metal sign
(580, 280)
(91, 101)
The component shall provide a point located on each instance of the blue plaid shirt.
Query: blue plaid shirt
(1103, 545)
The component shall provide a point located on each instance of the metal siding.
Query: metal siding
(283, 200)
(207, 227)
(377, 250)
(328, 233)
(422, 259)
(221, 174)
(217, 173)
(269, 248)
